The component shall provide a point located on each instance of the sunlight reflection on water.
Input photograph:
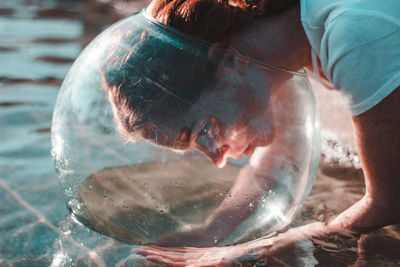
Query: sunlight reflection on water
(38, 42)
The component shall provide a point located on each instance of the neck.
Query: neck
(277, 39)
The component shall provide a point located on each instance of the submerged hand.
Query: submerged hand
(196, 257)
(293, 246)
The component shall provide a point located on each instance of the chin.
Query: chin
(236, 156)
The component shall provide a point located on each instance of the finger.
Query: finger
(170, 256)
(187, 250)
(182, 256)
(161, 260)
(174, 249)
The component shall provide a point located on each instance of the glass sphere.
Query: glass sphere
(160, 137)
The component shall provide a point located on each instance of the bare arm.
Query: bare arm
(275, 167)
(275, 164)
(378, 139)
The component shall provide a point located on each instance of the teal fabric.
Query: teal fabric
(358, 44)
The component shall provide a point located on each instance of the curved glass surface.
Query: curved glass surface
(159, 137)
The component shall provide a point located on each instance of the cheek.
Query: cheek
(239, 137)
(265, 130)
(257, 132)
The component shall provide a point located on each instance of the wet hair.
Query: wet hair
(136, 90)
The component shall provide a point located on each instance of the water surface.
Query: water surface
(38, 42)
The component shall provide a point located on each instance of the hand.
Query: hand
(287, 247)
(294, 247)
(196, 257)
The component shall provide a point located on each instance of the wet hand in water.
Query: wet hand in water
(290, 247)
(214, 256)
(246, 254)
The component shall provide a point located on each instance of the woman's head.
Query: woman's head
(189, 96)
(152, 75)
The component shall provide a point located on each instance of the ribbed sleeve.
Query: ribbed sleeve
(360, 54)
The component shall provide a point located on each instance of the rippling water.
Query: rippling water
(38, 42)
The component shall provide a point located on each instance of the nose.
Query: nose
(219, 156)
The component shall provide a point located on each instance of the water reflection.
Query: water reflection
(40, 39)
(80, 246)
(36, 51)
(27, 177)
(298, 246)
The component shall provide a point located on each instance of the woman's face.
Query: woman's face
(220, 141)
(229, 121)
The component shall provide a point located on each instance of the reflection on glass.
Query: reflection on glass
(160, 137)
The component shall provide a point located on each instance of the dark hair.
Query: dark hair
(136, 88)
(153, 80)
(213, 20)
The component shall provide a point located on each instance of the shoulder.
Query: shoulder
(360, 33)
(360, 54)
(317, 13)
(326, 18)
(361, 23)
(360, 36)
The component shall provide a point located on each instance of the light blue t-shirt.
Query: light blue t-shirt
(358, 44)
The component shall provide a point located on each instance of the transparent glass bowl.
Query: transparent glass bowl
(159, 137)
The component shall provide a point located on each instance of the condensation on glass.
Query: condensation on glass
(157, 135)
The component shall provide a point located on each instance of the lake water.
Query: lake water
(39, 40)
